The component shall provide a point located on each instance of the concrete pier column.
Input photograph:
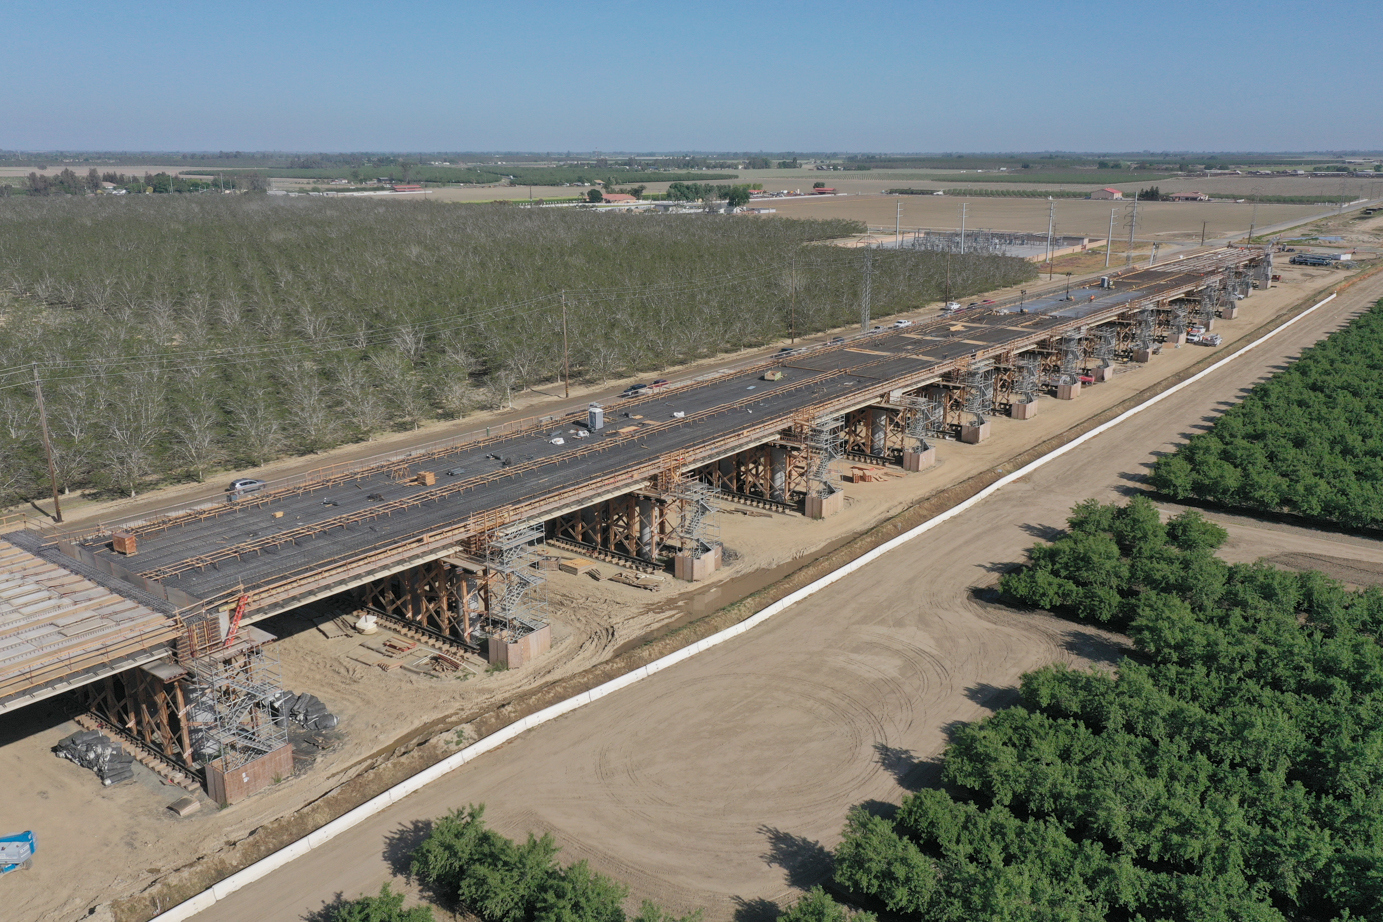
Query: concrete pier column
(646, 512)
(878, 434)
(778, 474)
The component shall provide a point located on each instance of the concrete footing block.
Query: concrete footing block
(919, 460)
(819, 507)
(695, 569)
(1143, 356)
(1179, 340)
(974, 435)
(1104, 373)
(1230, 312)
(1068, 391)
(1019, 410)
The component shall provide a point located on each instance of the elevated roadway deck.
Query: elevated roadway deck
(296, 545)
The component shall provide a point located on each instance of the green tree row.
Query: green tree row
(1230, 768)
(465, 864)
(1308, 441)
(69, 183)
(180, 335)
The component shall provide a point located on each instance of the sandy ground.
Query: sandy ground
(125, 839)
(720, 782)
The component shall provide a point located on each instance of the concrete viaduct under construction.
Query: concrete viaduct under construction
(149, 621)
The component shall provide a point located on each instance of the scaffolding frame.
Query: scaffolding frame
(230, 696)
(822, 438)
(978, 383)
(1072, 357)
(515, 606)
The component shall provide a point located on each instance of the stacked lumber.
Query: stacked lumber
(576, 566)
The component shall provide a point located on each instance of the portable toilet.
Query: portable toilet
(595, 417)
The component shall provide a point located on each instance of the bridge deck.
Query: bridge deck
(303, 543)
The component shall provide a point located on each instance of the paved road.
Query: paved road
(719, 781)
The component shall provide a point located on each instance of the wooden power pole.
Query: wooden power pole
(47, 446)
(566, 355)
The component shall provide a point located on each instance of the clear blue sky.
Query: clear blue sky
(658, 76)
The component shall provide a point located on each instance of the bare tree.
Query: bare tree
(499, 390)
(257, 431)
(311, 415)
(196, 445)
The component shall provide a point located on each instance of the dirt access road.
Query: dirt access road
(720, 782)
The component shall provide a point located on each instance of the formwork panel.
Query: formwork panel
(231, 786)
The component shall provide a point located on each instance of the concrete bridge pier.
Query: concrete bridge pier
(878, 432)
(778, 473)
(646, 514)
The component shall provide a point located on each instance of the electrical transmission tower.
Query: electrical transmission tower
(1132, 222)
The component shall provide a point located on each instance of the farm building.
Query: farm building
(1189, 197)
(1108, 195)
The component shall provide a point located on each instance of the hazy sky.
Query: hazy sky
(650, 75)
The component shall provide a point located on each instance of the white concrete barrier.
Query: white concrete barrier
(267, 865)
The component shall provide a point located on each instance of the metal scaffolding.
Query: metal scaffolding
(698, 525)
(1210, 303)
(823, 446)
(1072, 357)
(1176, 320)
(927, 418)
(229, 699)
(1106, 344)
(1026, 378)
(979, 389)
(1143, 329)
(516, 606)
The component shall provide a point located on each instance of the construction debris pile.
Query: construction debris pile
(306, 710)
(98, 752)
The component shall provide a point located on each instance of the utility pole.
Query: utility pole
(1051, 225)
(566, 355)
(1253, 221)
(898, 225)
(864, 303)
(1109, 241)
(1153, 258)
(1203, 223)
(792, 305)
(963, 209)
(47, 446)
